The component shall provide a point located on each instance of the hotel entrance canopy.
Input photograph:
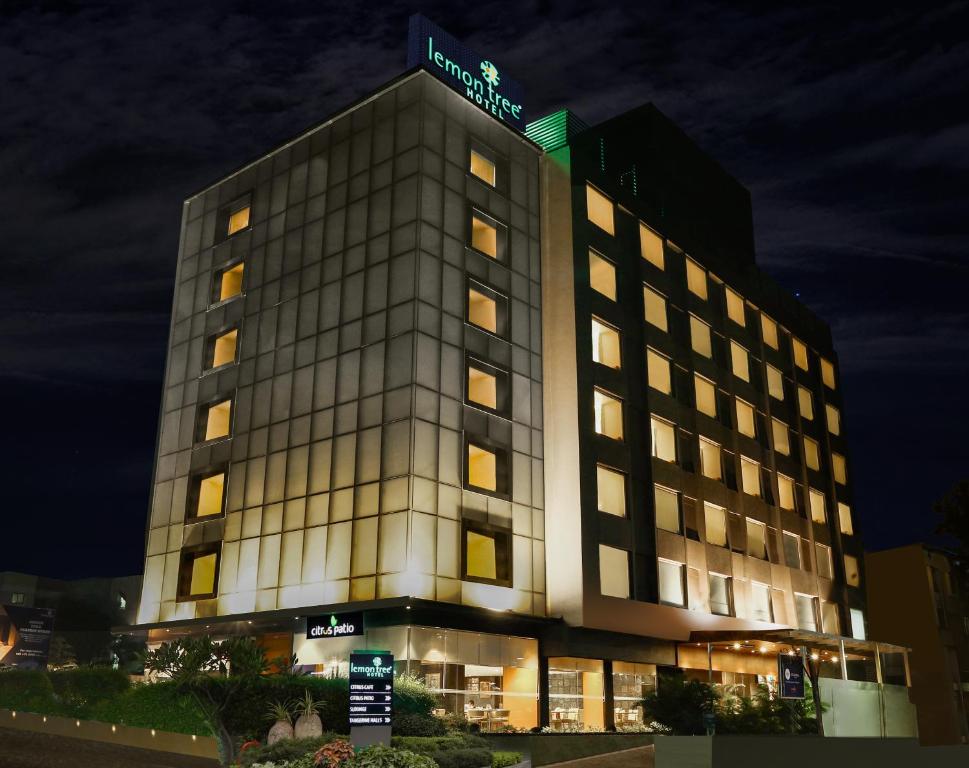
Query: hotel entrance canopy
(834, 650)
(797, 638)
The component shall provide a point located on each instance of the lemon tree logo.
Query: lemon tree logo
(377, 661)
(490, 73)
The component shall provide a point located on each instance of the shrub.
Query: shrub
(379, 756)
(86, 686)
(680, 704)
(153, 705)
(285, 750)
(27, 690)
(412, 724)
(505, 759)
(457, 750)
(412, 697)
(334, 754)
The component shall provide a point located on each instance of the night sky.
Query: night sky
(850, 126)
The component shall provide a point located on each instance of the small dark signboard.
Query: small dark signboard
(371, 688)
(791, 676)
(334, 625)
(25, 636)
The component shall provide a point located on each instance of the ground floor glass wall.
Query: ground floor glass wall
(492, 680)
(630, 684)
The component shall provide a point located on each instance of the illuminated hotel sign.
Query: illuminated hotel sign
(478, 79)
(371, 688)
(334, 625)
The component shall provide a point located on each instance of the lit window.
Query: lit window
(827, 373)
(750, 476)
(602, 275)
(811, 455)
(605, 345)
(613, 572)
(715, 519)
(782, 443)
(760, 602)
(483, 168)
(482, 388)
(671, 589)
(611, 491)
(756, 539)
(664, 439)
(197, 574)
(700, 337)
(238, 220)
(221, 349)
(768, 329)
(482, 310)
(696, 279)
(486, 555)
(805, 403)
(710, 463)
(785, 492)
(792, 550)
(818, 508)
(720, 594)
(807, 612)
(800, 354)
(735, 306)
(481, 556)
(834, 419)
(484, 235)
(17, 598)
(216, 420)
(852, 576)
(651, 246)
(746, 421)
(228, 283)
(839, 469)
(655, 304)
(482, 468)
(600, 209)
(706, 396)
(608, 414)
(775, 383)
(667, 509)
(857, 624)
(823, 555)
(207, 495)
(658, 372)
(844, 519)
(739, 361)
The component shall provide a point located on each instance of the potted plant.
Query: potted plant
(283, 726)
(308, 724)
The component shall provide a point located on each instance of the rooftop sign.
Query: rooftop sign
(478, 79)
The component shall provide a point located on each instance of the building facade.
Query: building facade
(918, 596)
(525, 400)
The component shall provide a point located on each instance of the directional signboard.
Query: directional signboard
(371, 688)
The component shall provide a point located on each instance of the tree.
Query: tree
(60, 654)
(214, 674)
(953, 508)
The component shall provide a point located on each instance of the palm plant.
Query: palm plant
(308, 724)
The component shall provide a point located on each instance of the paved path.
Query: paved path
(26, 749)
(638, 757)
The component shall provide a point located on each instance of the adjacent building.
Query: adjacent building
(523, 398)
(918, 596)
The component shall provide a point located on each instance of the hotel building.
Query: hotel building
(522, 398)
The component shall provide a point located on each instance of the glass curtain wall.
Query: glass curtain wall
(630, 683)
(576, 695)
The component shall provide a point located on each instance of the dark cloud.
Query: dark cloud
(848, 124)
